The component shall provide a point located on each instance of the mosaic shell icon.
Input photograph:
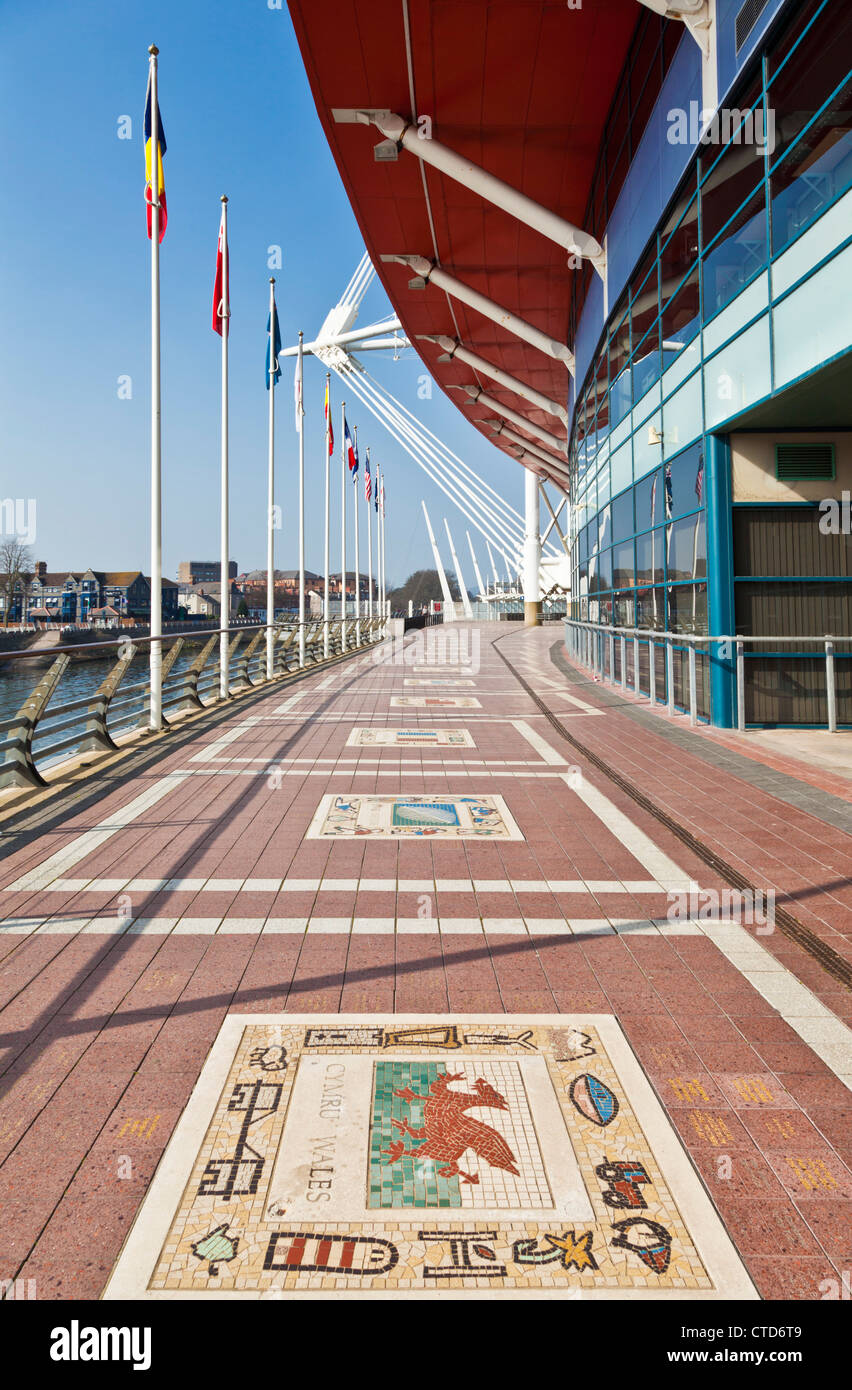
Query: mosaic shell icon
(419, 814)
(593, 1099)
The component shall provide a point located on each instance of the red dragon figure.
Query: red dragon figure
(448, 1131)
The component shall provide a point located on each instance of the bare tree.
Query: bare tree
(16, 562)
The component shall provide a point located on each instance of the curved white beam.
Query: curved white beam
(409, 137)
(429, 272)
(476, 394)
(453, 348)
(558, 465)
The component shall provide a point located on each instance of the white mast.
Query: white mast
(445, 588)
(482, 589)
(465, 598)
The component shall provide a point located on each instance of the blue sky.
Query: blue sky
(74, 269)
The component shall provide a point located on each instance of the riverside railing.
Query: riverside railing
(41, 733)
(672, 668)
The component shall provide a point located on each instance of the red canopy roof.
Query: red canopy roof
(521, 87)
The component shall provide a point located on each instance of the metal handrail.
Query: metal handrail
(588, 652)
(246, 670)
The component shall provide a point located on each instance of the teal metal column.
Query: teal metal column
(720, 579)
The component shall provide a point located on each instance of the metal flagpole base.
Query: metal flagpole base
(532, 614)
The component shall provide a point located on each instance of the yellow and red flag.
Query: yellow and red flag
(328, 423)
(161, 150)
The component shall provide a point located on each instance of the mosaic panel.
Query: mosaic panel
(387, 1155)
(436, 680)
(392, 817)
(434, 702)
(410, 738)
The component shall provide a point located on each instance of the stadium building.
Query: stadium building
(625, 227)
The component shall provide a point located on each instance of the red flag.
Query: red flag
(221, 308)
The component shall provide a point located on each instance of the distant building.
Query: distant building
(75, 596)
(204, 571)
(203, 600)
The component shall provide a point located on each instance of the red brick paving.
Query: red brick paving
(100, 1033)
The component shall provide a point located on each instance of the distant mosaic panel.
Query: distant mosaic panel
(390, 1156)
(434, 702)
(437, 680)
(410, 738)
(392, 817)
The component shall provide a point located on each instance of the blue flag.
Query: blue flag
(273, 342)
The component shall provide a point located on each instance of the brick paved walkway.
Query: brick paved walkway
(257, 866)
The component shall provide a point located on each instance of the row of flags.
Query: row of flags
(221, 305)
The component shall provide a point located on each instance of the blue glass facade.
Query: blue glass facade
(739, 294)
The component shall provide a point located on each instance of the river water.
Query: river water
(18, 679)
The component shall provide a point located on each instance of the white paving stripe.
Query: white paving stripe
(213, 749)
(346, 885)
(233, 771)
(541, 746)
(84, 844)
(828, 1037)
(659, 865)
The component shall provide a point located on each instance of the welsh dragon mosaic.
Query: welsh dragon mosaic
(380, 1156)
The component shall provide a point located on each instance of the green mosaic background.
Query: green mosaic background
(410, 1182)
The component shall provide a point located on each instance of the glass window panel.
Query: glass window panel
(681, 318)
(649, 500)
(644, 309)
(686, 550)
(687, 604)
(600, 572)
(680, 252)
(622, 565)
(621, 466)
(651, 608)
(650, 550)
(619, 351)
(819, 64)
(812, 323)
(684, 482)
(603, 522)
(738, 255)
(622, 515)
(733, 177)
(646, 364)
(814, 172)
(622, 609)
(739, 374)
(791, 35)
(683, 414)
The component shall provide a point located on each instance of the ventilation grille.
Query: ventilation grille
(747, 17)
(802, 461)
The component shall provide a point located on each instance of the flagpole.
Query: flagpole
(357, 555)
(224, 575)
(156, 646)
(326, 646)
(270, 533)
(378, 542)
(382, 528)
(343, 523)
(301, 410)
(369, 501)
